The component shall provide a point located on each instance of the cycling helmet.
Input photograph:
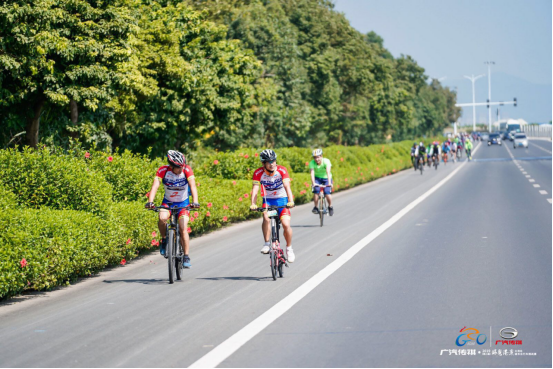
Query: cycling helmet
(421, 144)
(317, 152)
(176, 158)
(267, 155)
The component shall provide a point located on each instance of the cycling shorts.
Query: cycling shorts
(324, 182)
(182, 212)
(281, 201)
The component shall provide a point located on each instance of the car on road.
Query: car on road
(484, 136)
(494, 139)
(505, 135)
(520, 140)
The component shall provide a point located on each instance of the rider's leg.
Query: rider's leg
(266, 228)
(162, 223)
(183, 230)
(285, 221)
(329, 200)
(316, 200)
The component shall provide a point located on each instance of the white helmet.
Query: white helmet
(317, 152)
(176, 158)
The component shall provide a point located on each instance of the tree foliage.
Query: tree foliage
(223, 74)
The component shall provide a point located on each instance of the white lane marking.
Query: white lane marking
(532, 180)
(528, 176)
(237, 340)
(543, 192)
(541, 148)
(536, 185)
(524, 173)
(549, 200)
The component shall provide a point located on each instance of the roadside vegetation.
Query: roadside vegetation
(71, 213)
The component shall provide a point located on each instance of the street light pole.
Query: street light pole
(473, 79)
(489, 63)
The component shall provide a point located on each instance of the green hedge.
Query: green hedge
(70, 214)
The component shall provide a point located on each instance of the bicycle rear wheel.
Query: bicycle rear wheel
(171, 239)
(280, 269)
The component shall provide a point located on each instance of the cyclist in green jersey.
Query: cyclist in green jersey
(320, 175)
(468, 148)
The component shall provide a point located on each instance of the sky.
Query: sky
(452, 38)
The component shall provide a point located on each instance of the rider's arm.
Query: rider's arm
(288, 190)
(153, 190)
(329, 175)
(255, 190)
(193, 189)
(312, 176)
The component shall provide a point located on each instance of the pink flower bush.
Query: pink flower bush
(110, 159)
(128, 241)
(196, 214)
(154, 234)
(234, 183)
(87, 155)
(123, 262)
(246, 195)
(189, 230)
(23, 263)
(208, 214)
(239, 199)
(215, 162)
(225, 218)
(225, 207)
(246, 156)
(155, 243)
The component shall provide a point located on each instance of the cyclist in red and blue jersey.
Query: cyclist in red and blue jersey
(177, 179)
(274, 182)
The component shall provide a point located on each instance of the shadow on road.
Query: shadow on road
(259, 279)
(142, 281)
(305, 226)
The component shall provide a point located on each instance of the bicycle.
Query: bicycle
(459, 153)
(436, 161)
(444, 157)
(173, 252)
(323, 209)
(421, 163)
(276, 254)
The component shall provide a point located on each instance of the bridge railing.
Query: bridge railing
(544, 131)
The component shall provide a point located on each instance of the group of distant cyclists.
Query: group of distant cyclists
(271, 180)
(433, 153)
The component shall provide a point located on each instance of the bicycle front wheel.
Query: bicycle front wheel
(178, 259)
(274, 266)
(171, 240)
(321, 210)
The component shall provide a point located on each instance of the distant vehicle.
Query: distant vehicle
(512, 129)
(520, 140)
(505, 135)
(484, 136)
(494, 139)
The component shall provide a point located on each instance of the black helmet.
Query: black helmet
(267, 155)
(176, 158)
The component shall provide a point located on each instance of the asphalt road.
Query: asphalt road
(474, 253)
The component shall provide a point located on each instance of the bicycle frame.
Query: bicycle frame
(174, 250)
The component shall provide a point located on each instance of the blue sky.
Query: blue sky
(455, 37)
(452, 38)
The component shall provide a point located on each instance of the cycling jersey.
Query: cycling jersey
(320, 170)
(176, 185)
(272, 185)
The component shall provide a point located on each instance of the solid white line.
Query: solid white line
(537, 185)
(541, 148)
(233, 343)
(543, 192)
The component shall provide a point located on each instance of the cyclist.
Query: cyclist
(468, 147)
(320, 175)
(429, 154)
(459, 147)
(436, 151)
(177, 179)
(420, 153)
(413, 149)
(274, 181)
(445, 150)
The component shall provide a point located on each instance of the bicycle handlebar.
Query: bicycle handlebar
(262, 210)
(158, 208)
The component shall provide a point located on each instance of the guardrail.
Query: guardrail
(543, 130)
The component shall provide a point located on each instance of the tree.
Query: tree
(61, 52)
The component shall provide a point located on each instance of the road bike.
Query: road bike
(444, 157)
(469, 154)
(323, 209)
(420, 163)
(276, 254)
(436, 161)
(459, 153)
(173, 249)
